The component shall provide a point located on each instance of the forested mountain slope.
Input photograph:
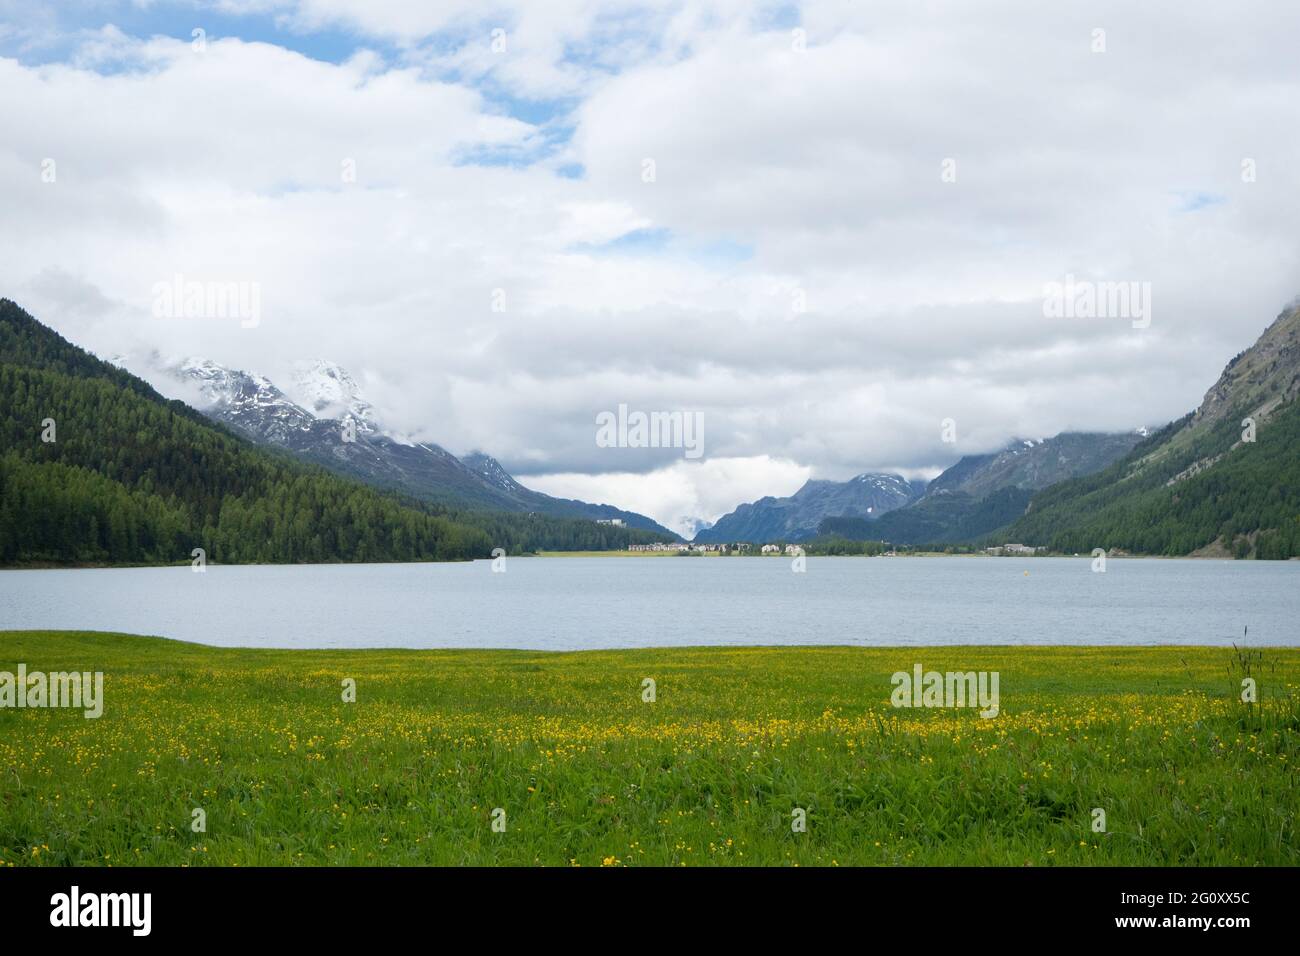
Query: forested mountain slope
(1225, 478)
(95, 466)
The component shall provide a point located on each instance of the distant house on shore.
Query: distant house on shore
(1013, 548)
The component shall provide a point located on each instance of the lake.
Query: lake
(589, 603)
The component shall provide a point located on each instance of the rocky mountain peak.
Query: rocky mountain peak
(1261, 378)
(490, 470)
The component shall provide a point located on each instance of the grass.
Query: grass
(588, 773)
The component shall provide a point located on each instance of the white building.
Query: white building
(1013, 548)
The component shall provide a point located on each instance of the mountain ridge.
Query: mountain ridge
(357, 444)
(981, 493)
(796, 517)
(1223, 479)
(972, 497)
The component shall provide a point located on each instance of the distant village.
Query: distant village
(739, 547)
(743, 547)
(1008, 549)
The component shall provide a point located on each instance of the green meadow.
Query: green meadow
(753, 756)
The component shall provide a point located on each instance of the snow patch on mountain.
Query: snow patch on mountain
(490, 470)
(226, 387)
(327, 390)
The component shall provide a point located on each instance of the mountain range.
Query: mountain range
(333, 425)
(97, 467)
(1224, 480)
(973, 497)
(132, 477)
(797, 517)
(982, 493)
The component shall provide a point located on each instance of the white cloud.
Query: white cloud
(781, 177)
(679, 494)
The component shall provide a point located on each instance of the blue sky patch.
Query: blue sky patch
(55, 36)
(1194, 201)
(718, 253)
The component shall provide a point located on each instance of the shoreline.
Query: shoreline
(903, 554)
(47, 566)
(690, 649)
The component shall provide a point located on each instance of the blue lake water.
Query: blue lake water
(588, 603)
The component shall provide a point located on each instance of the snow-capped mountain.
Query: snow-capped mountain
(977, 494)
(326, 419)
(490, 470)
(248, 401)
(1034, 463)
(329, 391)
(797, 517)
(981, 493)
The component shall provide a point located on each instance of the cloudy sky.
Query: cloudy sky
(825, 227)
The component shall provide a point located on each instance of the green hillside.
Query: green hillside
(1199, 483)
(947, 517)
(1247, 501)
